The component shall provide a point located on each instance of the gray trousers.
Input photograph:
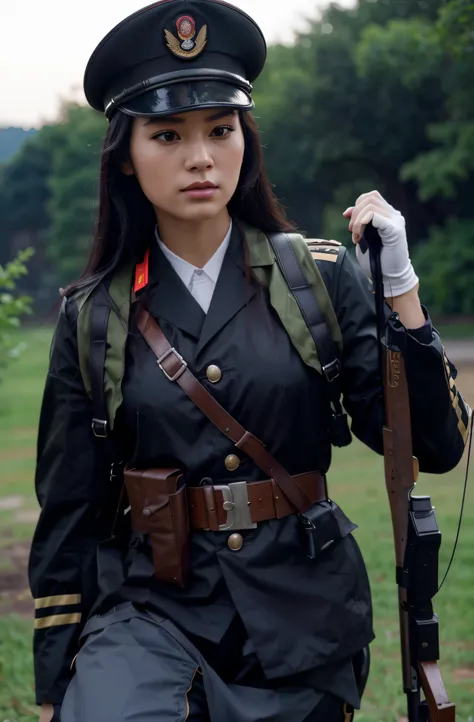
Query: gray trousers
(135, 666)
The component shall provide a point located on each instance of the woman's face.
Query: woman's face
(188, 165)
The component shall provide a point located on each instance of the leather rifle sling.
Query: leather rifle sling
(175, 369)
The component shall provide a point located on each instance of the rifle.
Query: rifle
(416, 534)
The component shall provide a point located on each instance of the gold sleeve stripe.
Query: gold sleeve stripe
(56, 620)
(463, 430)
(61, 600)
(463, 412)
(464, 427)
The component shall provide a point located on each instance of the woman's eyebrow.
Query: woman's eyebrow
(165, 119)
(178, 119)
(221, 114)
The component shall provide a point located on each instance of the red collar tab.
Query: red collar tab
(141, 273)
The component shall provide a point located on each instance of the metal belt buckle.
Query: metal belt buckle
(180, 371)
(236, 505)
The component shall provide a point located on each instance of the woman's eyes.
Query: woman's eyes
(222, 130)
(168, 136)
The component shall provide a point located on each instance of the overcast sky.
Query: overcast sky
(45, 45)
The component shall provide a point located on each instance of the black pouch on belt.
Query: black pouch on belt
(324, 525)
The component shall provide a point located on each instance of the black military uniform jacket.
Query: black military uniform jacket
(300, 615)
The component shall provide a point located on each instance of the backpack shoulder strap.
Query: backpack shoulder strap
(100, 313)
(324, 332)
(310, 309)
(102, 331)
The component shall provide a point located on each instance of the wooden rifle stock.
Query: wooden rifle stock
(414, 527)
(401, 472)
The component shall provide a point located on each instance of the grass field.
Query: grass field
(356, 482)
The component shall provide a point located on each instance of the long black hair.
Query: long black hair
(126, 218)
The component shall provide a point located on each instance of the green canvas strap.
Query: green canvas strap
(264, 264)
(317, 324)
(102, 354)
(313, 316)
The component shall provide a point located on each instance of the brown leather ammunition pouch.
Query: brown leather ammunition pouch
(159, 509)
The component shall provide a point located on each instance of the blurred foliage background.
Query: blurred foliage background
(379, 96)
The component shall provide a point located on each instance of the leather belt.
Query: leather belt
(176, 370)
(241, 505)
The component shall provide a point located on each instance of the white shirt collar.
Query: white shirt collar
(186, 270)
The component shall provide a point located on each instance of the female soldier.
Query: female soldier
(253, 629)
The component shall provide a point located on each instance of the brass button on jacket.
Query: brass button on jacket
(235, 542)
(232, 462)
(214, 374)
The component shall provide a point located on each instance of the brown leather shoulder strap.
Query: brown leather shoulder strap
(176, 370)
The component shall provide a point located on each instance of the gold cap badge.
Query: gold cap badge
(188, 48)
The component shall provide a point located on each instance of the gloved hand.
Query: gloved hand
(398, 273)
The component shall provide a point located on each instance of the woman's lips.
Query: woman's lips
(201, 192)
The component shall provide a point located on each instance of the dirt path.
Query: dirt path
(460, 352)
(14, 592)
(465, 382)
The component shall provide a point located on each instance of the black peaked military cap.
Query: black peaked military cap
(174, 56)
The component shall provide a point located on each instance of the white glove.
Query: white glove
(398, 273)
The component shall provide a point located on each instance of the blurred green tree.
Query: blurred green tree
(48, 198)
(73, 186)
(442, 170)
(339, 117)
(375, 97)
(446, 264)
(437, 57)
(12, 307)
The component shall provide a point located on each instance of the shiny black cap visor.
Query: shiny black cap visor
(184, 96)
